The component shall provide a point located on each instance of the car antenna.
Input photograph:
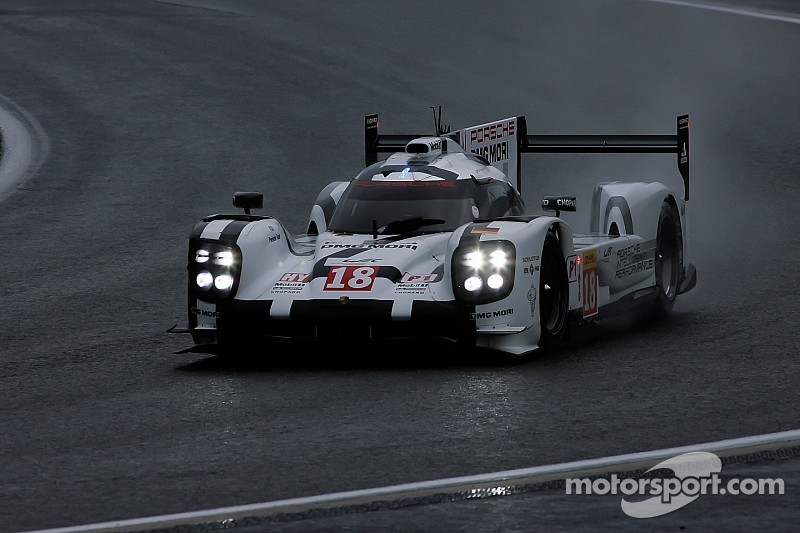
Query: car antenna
(437, 122)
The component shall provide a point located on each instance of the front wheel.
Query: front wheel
(554, 293)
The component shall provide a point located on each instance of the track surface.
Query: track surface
(156, 112)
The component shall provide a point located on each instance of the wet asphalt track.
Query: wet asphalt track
(156, 112)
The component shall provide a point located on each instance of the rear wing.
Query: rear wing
(504, 141)
(617, 144)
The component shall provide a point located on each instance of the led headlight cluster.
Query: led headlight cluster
(213, 269)
(483, 272)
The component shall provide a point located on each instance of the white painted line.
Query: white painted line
(752, 12)
(523, 476)
(21, 156)
(16, 156)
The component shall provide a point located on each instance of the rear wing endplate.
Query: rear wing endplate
(376, 143)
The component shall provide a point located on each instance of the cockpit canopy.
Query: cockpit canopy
(427, 196)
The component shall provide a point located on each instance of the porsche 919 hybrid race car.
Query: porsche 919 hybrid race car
(434, 241)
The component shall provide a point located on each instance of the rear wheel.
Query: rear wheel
(668, 260)
(553, 293)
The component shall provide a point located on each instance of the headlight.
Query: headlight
(495, 281)
(204, 280)
(223, 258)
(223, 282)
(473, 283)
(214, 268)
(473, 259)
(483, 272)
(498, 258)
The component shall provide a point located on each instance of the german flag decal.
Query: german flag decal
(485, 231)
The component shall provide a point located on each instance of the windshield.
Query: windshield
(388, 202)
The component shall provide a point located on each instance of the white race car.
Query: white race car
(435, 241)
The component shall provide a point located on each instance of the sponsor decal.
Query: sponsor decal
(491, 314)
(491, 132)
(276, 237)
(485, 231)
(495, 142)
(414, 283)
(683, 155)
(626, 269)
(530, 269)
(493, 152)
(532, 298)
(632, 260)
(435, 145)
(411, 288)
(369, 246)
(333, 261)
(350, 278)
(206, 313)
(291, 283)
(418, 278)
(591, 284)
(566, 203)
(573, 268)
(629, 250)
(296, 276)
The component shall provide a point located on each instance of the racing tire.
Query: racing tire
(668, 260)
(553, 293)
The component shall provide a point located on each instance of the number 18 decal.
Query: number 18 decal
(590, 283)
(350, 278)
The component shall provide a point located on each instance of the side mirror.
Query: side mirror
(559, 203)
(248, 201)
